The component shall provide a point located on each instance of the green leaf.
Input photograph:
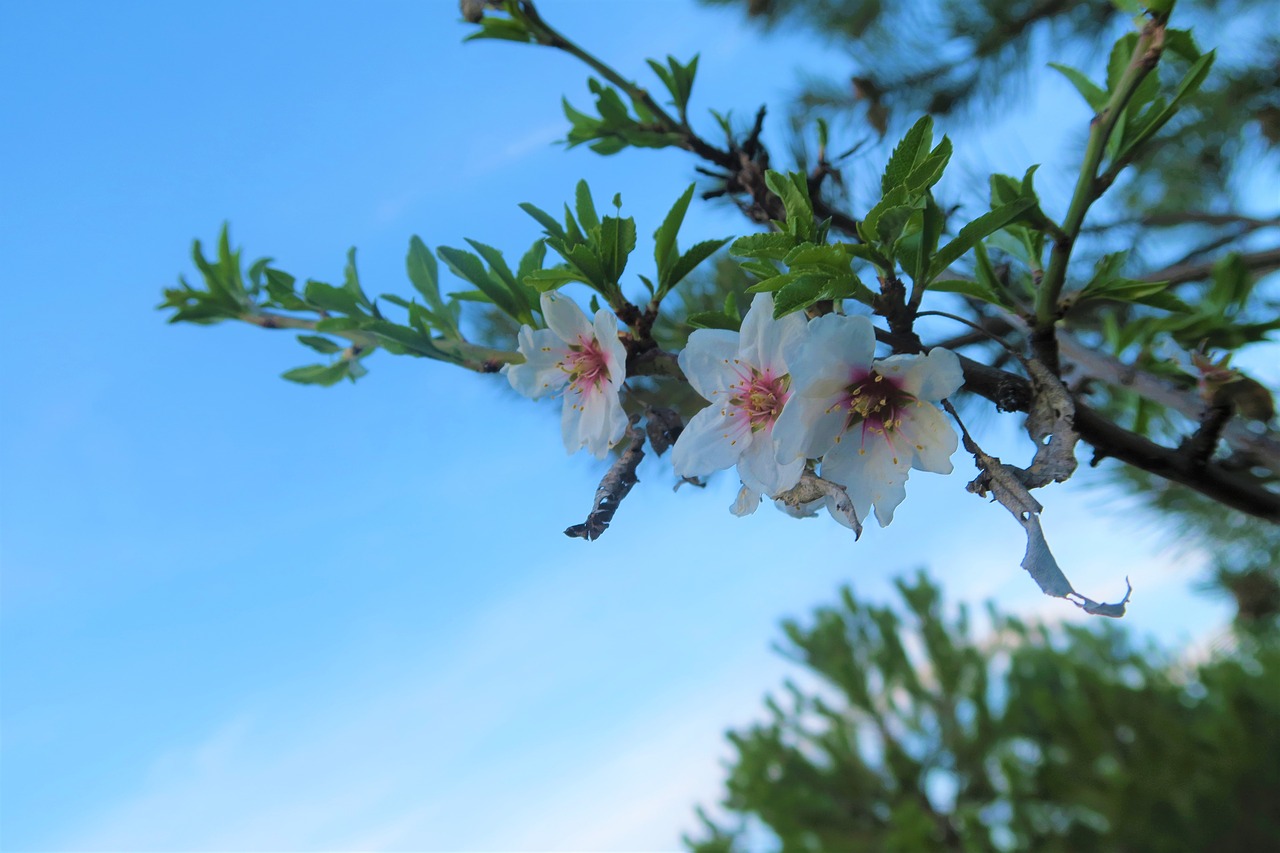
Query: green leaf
(776, 282)
(929, 171)
(280, 290)
(588, 264)
(525, 295)
(664, 239)
(907, 154)
(617, 242)
(586, 208)
(819, 255)
(690, 260)
(931, 221)
(329, 298)
(773, 246)
(1181, 43)
(976, 230)
(319, 344)
(759, 269)
(502, 29)
(550, 279)
(532, 260)
(793, 189)
(351, 281)
(974, 289)
(1090, 91)
(318, 374)
(800, 292)
(1160, 115)
(469, 268)
(868, 228)
(713, 320)
(546, 220)
(1121, 54)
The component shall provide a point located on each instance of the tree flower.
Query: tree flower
(589, 359)
(745, 377)
(870, 422)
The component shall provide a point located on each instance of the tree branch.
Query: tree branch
(1265, 261)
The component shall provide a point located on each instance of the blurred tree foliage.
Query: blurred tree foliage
(964, 59)
(917, 736)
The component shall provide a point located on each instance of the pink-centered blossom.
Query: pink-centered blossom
(587, 361)
(745, 377)
(869, 421)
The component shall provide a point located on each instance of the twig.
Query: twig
(1263, 261)
(617, 482)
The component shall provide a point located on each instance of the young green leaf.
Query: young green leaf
(664, 239)
(713, 320)
(800, 292)
(774, 246)
(1090, 91)
(687, 262)
(321, 345)
(318, 374)
(793, 189)
(907, 155)
(976, 230)
(468, 267)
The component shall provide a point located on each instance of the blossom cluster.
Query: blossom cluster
(782, 391)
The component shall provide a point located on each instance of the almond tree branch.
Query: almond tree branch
(1089, 187)
(469, 355)
(1264, 448)
(1265, 261)
(742, 163)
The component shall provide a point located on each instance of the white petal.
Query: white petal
(710, 362)
(540, 374)
(593, 420)
(565, 318)
(705, 444)
(834, 346)
(758, 467)
(926, 430)
(934, 376)
(764, 339)
(606, 332)
(806, 429)
(872, 472)
(748, 501)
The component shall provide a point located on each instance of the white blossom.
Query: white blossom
(745, 377)
(869, 421)
(587, 361)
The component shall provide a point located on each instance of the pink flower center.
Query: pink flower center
(586, 364)
(759, 397)
(876, 402)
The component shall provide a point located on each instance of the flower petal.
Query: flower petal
(873, 474)
(593, 419)
(710, 362)
(807, 428)
(565, 318)
(606, 333)
(707, 444)
(747, 502)
(932, 377)
(764, 340)
(925, 428)
(540, 374)
(834, 347)
(758, 466)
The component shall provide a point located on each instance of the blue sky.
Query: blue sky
(240, 614)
